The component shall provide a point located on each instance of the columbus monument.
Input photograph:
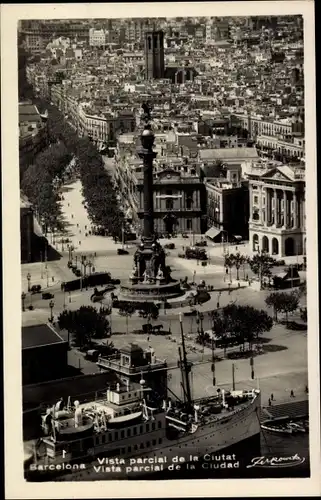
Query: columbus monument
(150, 278)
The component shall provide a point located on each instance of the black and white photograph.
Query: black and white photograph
(165, 168)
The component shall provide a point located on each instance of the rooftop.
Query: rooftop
(39, 335)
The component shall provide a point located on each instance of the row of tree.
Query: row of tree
(98, 187)
(283, 302)
(85, 324)
(41, 179)
(260, 264)
(243, 323)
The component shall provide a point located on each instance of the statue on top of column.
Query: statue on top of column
(146, 116)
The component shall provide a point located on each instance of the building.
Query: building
(44, 354)
(26, 229)
(227, 207)
(154, 55)
(179, 201)
(277, 211)
(132, 364)
(97, 38)
(33, 132)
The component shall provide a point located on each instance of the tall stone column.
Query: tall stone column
(147, 154)
(295, 211)
(268, 206)
(275, 211)
(285, 210)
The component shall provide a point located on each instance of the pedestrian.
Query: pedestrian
(226, 270)
(79, 242)
(217, 305)
(85, 227)
(270, 402)
(292, 394)
(306, 389)
(77, 224)
(52, 278)
(72, 216)
(148, 339)
(272, 397)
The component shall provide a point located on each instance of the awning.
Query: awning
(212, 233)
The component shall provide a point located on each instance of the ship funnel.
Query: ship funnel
(223, 398)
(196, 410)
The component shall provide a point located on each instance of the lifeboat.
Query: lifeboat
(124, 419)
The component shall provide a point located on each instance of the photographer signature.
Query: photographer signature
(267, 462)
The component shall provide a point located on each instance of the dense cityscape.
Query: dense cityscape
(163, 243)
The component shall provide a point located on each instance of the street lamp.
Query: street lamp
(51, 305)
(28, 278)
(23, 297)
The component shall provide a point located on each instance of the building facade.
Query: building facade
(179, 202)
(277, 211)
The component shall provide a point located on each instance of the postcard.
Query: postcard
(160, 251)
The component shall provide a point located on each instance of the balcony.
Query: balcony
(113, 363)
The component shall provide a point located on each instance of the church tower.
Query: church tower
(154, 55)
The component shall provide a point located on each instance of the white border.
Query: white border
(16, 487)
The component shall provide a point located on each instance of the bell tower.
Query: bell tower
(154, 54)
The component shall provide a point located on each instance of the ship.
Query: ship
(133, 430)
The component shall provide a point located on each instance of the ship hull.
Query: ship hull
(207, 449)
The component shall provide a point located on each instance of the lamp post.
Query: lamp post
(28, 278)
(23, 297)
(51, 305)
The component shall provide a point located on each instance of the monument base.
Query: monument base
(143, 292)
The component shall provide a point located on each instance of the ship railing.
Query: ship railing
(117, 366)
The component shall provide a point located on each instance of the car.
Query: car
(35, 289)
(92, 355)
(78, 273)
(47, 295)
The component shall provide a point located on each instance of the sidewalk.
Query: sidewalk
(39, 275)
(78, 224)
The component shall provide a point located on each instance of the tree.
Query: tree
(273, 300)
(235, 260)
(289, 302)
(243, 322)
(229, 263)
(84, 324)
(261, 265)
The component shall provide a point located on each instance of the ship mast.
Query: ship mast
(186, 367)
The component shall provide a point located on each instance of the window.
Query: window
(116, 436)
(134, 431)
(159, 424)
(153, 426)
(129, 449)
(160, 441)
(169, 204)
(189, 224)
(256, 199)
(135, 447)
(189, 203)
(147, 427)
(141, 429)
(154, 442)
(147, 444)
(129, 433)
(141, 446)
(149, 43)
(123, 451)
